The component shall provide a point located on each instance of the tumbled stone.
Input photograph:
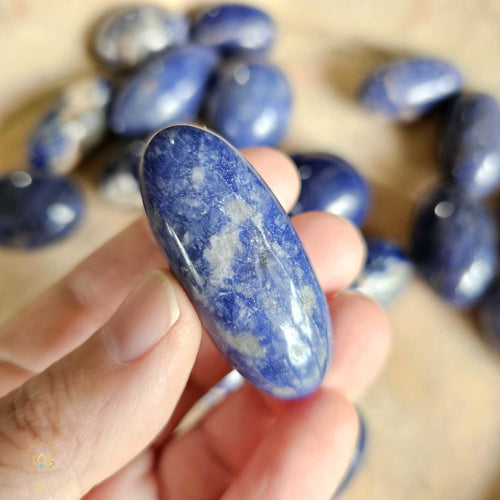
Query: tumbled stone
(236, 253)
(119, 182)
(130, 36)
(330, 184)
(406, 89)
(168, 89)
(36, 209)
(386, 274)
(489, 312)
(455, 245)
(71, 128)
(250, 104)
(235, 29)
(469, 146)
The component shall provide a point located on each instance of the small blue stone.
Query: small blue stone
(407, 89)
(490, 314)
(250, 104)
(119, 182)
(130, 36)
(36, 209)
(330, 184)
(166, 90)
(237, 255)
(235, 29)
(357, 457)
(72, 127)
(470, 144)
(455, 245)
(386, 274)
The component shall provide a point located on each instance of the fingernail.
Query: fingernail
(145, 316)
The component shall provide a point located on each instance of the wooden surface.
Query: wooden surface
(434, 415)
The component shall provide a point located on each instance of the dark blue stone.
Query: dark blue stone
(356, 459)
(386, 274)
(36, 209)
(330, 184)
(119, 182)
(237, 255)
(408, 88)
(235, 29)
(455, 245)
(130, 36)
(490, 314)
(250, 104)
(469, 146)
(72, 127)
(168, 89)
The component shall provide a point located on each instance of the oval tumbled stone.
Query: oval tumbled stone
(237, 255)
(36, 210)
(130, 36)
(166, 90)
(235, 29)
(408, 88)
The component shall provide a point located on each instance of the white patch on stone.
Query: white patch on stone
(197, 176)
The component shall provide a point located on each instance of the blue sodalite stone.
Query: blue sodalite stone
(71, 128)
(406, 89)
(469, 146)
(36, 209)
(250, 104)
(455, 245)
(130, 36)
(330, 184)
(489, 312)
(235, 29)
(119, 182)
(237, 255)
(166, 90)
(386, 274)
(357, 457)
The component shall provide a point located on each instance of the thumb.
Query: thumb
(99, 406)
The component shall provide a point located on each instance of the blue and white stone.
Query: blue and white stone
(132, 35)
(386, 274)
(357, 457)
(408, 88)
(250, 104)
(469, 146)
(169, 89)
(455, 245)
(235, 29)
(119, 182)
(489, 312)
(237, 255)
(71, 128)
(330, 184)
(36, 210)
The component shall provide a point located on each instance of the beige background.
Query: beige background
(434, 415)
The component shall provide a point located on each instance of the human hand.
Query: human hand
(104, 375)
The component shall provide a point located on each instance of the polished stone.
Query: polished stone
(133, 34)
(169, 89)
(71, 128)
(235, 29)
(119, 182)
(489, 312)
(386, 274)
(406, 89)
(330, 184)
(469, 147)
(454, 245)
(250, 104)
(36, 210)
(237, 255)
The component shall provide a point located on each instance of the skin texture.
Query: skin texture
(111, 420)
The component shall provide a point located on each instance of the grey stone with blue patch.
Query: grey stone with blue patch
(489, 312)
(237, 255)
